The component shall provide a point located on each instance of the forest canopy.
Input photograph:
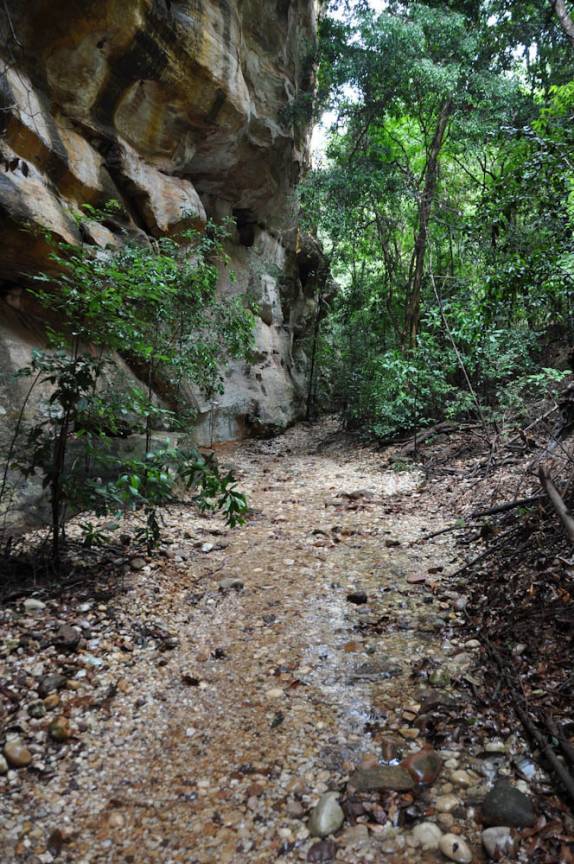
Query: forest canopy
(444, 200)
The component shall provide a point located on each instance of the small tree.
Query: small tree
(157, 306)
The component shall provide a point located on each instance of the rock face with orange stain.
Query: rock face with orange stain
(182, 111)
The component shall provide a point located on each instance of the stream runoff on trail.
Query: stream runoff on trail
(238, 677)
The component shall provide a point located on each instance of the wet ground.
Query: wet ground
(233, 681)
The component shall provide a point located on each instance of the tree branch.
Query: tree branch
(565, 19)
(557, 502)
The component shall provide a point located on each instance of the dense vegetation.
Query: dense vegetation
(445, 202)
(153, 306)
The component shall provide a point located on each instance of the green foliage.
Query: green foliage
(145, 484)
(497, 233)
(156, 305)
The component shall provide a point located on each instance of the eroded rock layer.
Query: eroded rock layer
(182, 110)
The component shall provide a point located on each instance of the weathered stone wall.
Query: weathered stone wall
(172, 107)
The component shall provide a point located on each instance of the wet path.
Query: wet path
(245, 682)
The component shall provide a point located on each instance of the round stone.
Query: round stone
(327, 817)
(498, 842)
(59, 729)
(427, 835)
(33, 605)
(37, 710)
(52, 701)
(276, 693)
(446, 803)
(17, 755)
(455, 848)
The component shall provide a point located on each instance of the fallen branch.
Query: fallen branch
(557, 502)
(479, 514)
(458, 526)
(558, 732)
(490, 551)
(509, 505)
(545, 747)
(412, 445)
(523, 432)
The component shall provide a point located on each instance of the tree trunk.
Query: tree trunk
(316, 329)
(425, 208)
(565, 19)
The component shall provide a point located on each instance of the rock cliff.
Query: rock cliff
(179, 109)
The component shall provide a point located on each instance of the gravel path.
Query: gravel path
(233, 681)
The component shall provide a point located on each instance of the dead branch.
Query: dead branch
(531, 426)
(557, 502)
(468, 522)
(558, 732)
(509, 505)
(490, 551)
(545, 747)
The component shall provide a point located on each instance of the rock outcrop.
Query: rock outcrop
(183, 111)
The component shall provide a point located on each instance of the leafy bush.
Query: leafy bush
(157, 306)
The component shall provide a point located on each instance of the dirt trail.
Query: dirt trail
(208, 716)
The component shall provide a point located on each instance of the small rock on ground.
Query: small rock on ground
(327, 817)
(455, 848)
(507, 806)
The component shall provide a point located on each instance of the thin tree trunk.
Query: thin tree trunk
(59, 462)
(564, 17)
(316, 328)
(425, 209)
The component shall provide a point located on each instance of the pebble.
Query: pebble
(59, 729)
(446, 803)
(3, 765)
(31, 604)
(445, 820)
(37, 710)
(424, 766)
(382, 777)
(359, 598)
(138, 563)
(427, 835)
(327, 817)
(17, 755)
(226, 585)
(116, 819)
(495, 746)
(526, 767)
(322, 852)
(276, 693)
(455, 848)
(498, 842)
(52, 701)
(506, 806)
(462, 778)
(295, 809)
(357, 836)
(389, 750)
(461, 662)
(67, 637)
(50, 683)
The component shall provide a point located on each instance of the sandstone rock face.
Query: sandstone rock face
(183, 111)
